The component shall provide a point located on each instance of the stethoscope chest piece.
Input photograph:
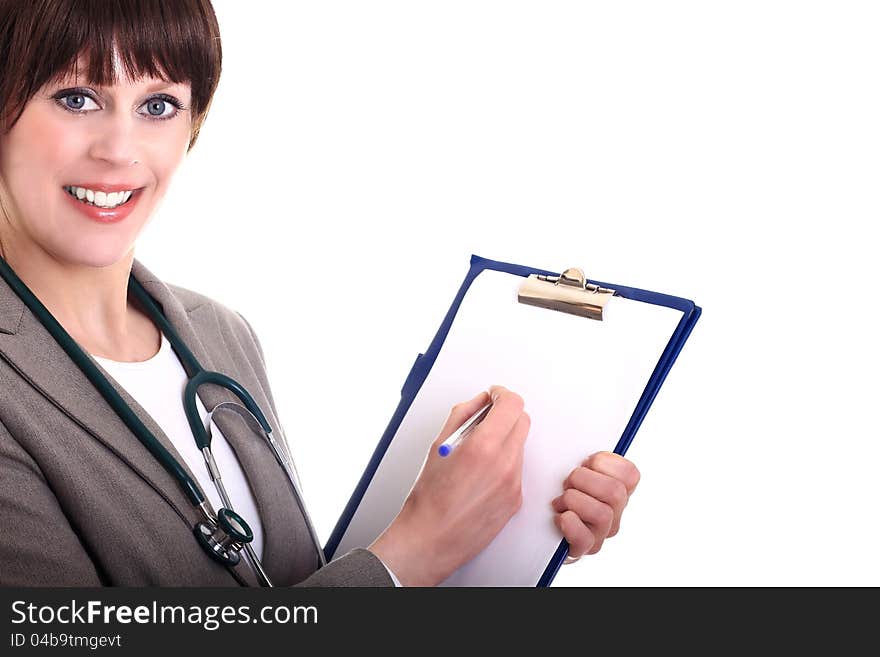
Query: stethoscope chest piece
(225, 540)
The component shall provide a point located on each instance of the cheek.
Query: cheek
(167, 154)
(33, 156)
(39, 142)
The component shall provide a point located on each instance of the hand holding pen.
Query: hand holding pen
(460, 502)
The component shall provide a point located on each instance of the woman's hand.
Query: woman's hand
(594, 496)
(460, 502)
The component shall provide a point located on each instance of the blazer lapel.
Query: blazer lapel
(266, 478)
(201, 331)
(198, 327)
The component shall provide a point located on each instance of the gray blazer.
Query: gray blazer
(83, 503)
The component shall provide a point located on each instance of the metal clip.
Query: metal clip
(568, 293)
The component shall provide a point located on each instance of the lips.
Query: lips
(105, 215)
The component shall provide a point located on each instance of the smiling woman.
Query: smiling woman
(109, 457)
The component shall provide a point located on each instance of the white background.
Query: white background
(358, 153)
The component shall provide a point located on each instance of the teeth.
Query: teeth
(101, 199)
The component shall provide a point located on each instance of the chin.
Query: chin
(92, 256)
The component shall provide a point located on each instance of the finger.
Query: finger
(507, 406)
(598, 516)
(603, 487)
(614, 465)
(580, 538)
(459, 413)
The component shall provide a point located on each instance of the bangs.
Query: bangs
(151, 39)
(175, 40)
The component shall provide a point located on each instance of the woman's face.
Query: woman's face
(84, 167)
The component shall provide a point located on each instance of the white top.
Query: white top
(148, 382)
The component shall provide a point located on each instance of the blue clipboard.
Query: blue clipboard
(424, 361)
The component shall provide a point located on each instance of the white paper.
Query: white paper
(580, 379)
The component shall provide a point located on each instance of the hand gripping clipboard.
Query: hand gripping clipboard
(587, 357)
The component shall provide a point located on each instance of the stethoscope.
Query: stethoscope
(224, 536)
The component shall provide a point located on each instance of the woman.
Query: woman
(99, 103)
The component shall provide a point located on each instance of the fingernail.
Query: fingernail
(556, 503)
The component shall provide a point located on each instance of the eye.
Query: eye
(161, 107)
(77, 102)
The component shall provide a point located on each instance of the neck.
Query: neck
(91, 303)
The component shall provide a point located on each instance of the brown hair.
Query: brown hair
(175, 40)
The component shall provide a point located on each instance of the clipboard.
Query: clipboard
(587, 357)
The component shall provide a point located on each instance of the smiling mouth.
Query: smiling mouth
(103, 200)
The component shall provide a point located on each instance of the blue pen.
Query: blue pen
(459, 434)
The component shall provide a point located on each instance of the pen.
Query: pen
(459, 434)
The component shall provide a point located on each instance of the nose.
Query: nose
(116, 141)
